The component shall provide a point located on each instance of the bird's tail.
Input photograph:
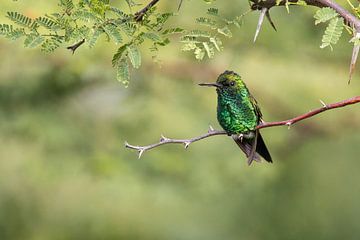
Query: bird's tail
(253, 147)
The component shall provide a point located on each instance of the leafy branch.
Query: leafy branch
(212, 132)
(331, 11)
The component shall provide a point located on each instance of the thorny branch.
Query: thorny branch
(212, 132)
(264, 6)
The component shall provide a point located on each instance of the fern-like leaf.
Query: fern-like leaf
(15, 34)
(113, 33)
(94, 37)
(332, 33)
(5, 29)
(33, 40)
(213, 11)
(324, 15)
(20, 19)
(47, 23)
(225, 31)
(134, 55)
(51, 44)
(209, 49)
(85, 16)
(123, 71)
(120, 53)
(206, 22)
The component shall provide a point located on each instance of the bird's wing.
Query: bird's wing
(256, 107)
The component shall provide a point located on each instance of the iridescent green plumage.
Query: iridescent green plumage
(238, 113)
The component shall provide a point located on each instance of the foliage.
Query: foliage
(206, 42)
(89, 20)
(333, 30)
(79, 21)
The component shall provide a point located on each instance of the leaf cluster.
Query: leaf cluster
(207, 39)
(88, 21)
(334, 28)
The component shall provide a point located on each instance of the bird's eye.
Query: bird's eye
(232, 84)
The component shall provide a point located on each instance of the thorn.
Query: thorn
(180, 3)
(322, 103)
(241, 136)
(162, 138)
(211, 129)
(260, 22)
(270, 20)
(288, 124)
(186, 144)
(141, 151)
(354, 57)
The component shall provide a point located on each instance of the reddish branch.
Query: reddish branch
(212, 132)
(348, 17)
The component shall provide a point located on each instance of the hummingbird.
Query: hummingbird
(238, 113)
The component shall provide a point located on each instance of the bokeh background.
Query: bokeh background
(65, 174)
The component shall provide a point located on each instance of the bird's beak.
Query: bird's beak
(210, 84)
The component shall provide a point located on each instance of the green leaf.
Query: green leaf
(324, 15)
(51, 44)
(47, 23)
(19, 19)
(15, 34)
(225, 31)
(188, 46)
(134, 55)
(5, 29)
(172, 31)
(217, 43)
(33, 40)
(128, 28)
(197, 33)
(213, 11)
(120, 13)
(123, 71)
(120, 53)
(67, 5)
(206, 22)
(94, 37)
(85, 16)
(209, 50)
(113, 33)
(153, 36)
(199, 53)
(333, 32)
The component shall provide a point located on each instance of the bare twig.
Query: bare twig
(140, 14)
(212, 132)
(75, 46)
(165, 140)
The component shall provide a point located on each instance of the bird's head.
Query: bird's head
(227, 81)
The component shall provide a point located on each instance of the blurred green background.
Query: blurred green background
(65, 174)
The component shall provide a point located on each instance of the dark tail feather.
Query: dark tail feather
(262, 149)
(253, 148)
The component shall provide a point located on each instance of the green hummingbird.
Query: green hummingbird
(238, 114)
